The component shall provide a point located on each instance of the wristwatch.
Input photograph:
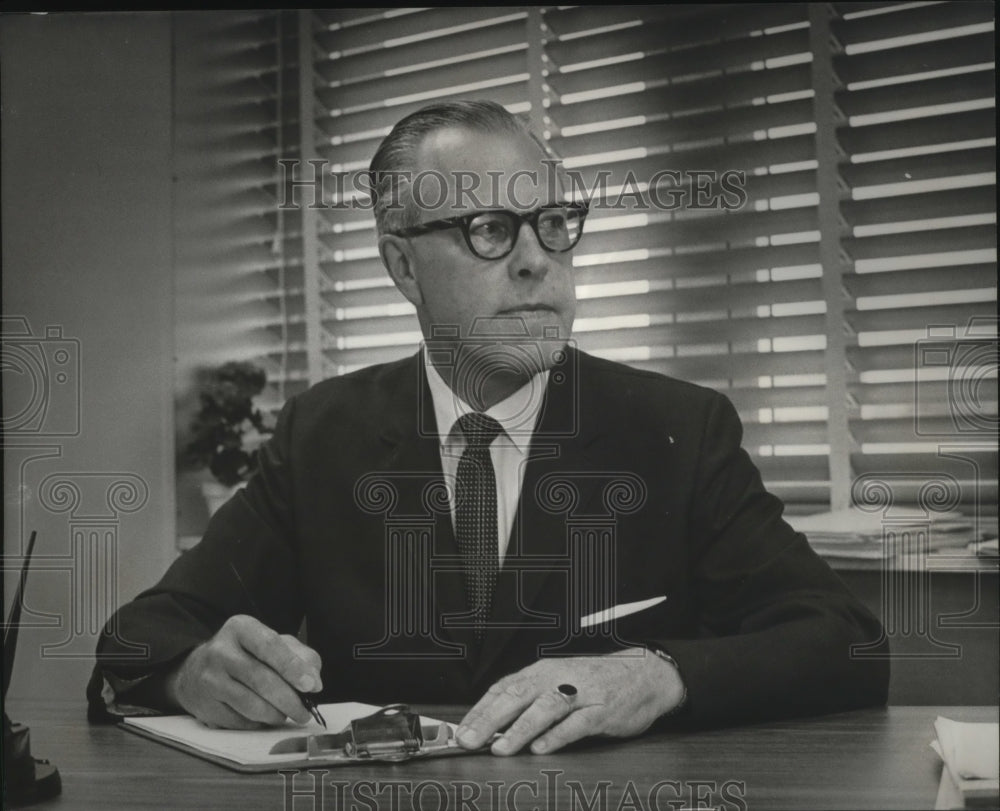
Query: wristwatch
(670, 660)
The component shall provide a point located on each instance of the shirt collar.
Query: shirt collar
(517, 414)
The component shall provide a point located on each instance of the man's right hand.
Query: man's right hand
(245, 677)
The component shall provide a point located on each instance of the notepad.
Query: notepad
(971, 768)
(250, 750)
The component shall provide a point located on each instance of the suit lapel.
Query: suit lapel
(561, 450)
(568, 442)
(414, 468)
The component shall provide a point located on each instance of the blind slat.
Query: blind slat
(386, 116)
(350, 16)
(404, 57)
(922, 280)
(920, 318)
(364, 357)
(925, 206)
(922, 242)
(922, 132)
(680, 24)
(352, 156)
(607, 201)
(917, 468)
(710, 57)
(380, 33)
(351, 271)
(727, 367)
(905, 430)
(943, 90)
(917, 58)
(902, 357)
(748, 400)
(924, 167)
(348, 97)
(690, 95)
(921, 19)
(681, 134)
(714, 228)
(592, 178)
(723, 328)
(744, 156)
(931, 391)
(730, 260)
(717, 120)
(784, 433)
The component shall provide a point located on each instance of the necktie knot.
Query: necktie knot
(479, 429)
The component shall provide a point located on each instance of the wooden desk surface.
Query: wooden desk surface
(876, 758)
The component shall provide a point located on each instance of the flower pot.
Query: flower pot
(216, 494)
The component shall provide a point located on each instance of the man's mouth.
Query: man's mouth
(527, 308)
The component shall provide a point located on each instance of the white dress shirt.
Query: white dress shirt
(517, 415)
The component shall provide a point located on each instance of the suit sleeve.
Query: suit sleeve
(777, 624)
(244, 564)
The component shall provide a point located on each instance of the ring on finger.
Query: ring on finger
(567, 692)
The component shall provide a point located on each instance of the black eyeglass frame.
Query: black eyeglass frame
(465, 220)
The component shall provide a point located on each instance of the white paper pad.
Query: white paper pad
(250, 747)
(972, 751)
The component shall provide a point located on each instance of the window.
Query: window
(823, 249)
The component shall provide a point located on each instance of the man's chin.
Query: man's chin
(515, 360)
(517, 344)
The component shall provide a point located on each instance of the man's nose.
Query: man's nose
(529, 258)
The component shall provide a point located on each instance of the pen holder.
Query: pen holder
(26, 779)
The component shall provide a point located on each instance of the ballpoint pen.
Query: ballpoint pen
(307, 700)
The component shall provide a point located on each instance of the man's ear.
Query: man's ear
(397, 256)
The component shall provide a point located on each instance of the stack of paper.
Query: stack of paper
(970, 777)
(854, 533)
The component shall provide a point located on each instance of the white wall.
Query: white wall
(87, 248)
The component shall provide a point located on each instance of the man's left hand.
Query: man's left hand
(619, 694)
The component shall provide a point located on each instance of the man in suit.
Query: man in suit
(575, 546)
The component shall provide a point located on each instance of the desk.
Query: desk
(942, 628)
(876, 758)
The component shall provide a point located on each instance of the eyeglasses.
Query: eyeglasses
(492, 234)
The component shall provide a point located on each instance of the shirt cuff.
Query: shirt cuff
(114, 686)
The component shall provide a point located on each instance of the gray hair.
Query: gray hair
(392, 162)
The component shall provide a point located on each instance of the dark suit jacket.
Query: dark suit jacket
(636, 487)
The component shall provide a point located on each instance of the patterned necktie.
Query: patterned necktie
(476, 515)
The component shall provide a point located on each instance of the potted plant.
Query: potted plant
(228, 430)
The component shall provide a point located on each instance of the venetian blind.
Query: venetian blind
(786, 301)
(238, 255)
(918, 167)
(237, 260)
(727, 297)
(373, 68)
